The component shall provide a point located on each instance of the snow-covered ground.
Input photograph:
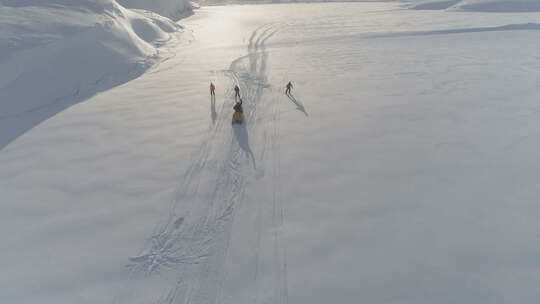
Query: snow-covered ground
(402, 170)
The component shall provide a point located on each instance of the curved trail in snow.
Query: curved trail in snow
(188, 252)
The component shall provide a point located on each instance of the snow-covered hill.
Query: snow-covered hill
(168, 8)
(478, 5)
(57, 52)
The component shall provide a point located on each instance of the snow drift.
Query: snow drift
(57, 52)
(501, 6)
(435, 5)
(168, 8)
(480, 5)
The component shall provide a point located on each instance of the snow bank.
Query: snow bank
(501, 5)
(435, 5)
(54, 53)
(480, 5)
(168, 8)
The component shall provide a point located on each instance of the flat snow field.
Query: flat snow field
(404, 169)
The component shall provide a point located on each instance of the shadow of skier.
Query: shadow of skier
(213, 112)
(299, 105)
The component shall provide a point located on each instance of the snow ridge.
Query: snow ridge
(479, 5)
(169, 8)
(67, 51)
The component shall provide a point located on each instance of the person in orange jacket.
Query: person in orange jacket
(212, 90)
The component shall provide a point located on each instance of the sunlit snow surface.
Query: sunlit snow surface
(403, 169)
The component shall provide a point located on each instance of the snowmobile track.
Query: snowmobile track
(190, 247)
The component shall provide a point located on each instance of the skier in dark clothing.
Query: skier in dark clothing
(288, 88)
(236, 92)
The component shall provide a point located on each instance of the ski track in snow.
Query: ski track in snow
(192, 244)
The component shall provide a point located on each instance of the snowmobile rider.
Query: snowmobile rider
(238, 107)
(212, 90)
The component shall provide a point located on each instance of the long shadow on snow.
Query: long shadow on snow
(14, 125)
(242, 137)
(213, 112)
(508, 27)
(28, 98)
(299, 105)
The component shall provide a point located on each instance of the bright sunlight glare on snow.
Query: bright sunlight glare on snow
(255, 152)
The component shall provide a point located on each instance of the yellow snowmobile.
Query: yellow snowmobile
(238, 116)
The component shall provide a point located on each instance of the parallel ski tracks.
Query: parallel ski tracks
(191, 245)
